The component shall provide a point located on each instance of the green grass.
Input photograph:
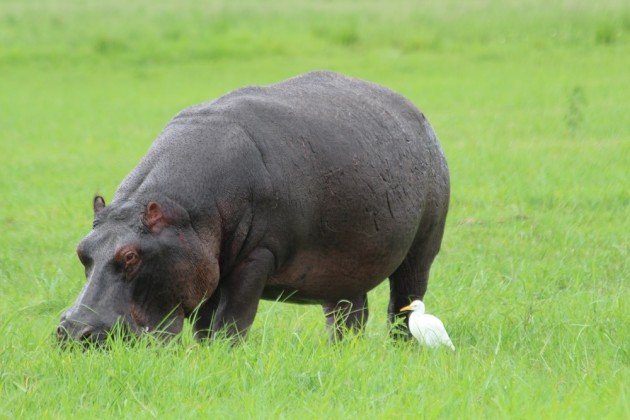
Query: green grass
(530, 100)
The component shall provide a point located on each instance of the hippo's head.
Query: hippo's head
(146, 268)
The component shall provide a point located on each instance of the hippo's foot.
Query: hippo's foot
(346, 315)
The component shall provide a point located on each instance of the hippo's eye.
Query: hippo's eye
(127, 259)
(131, 259)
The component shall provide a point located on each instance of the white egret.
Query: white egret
(428, 329)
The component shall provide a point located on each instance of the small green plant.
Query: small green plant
(605, 35)
(343, 34)
(574, 117)
(106, 45)
(347, 35)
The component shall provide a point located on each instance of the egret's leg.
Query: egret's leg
(351, 314)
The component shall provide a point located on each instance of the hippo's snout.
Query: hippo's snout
(70, 329)
(88, 333)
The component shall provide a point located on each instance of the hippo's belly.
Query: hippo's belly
(321, 276)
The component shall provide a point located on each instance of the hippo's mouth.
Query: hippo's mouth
(126, 327)
(144, 322)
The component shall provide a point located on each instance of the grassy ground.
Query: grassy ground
(530, 100)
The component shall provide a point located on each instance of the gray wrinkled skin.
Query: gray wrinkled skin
(312, 190)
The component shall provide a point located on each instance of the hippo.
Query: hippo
(313, 190)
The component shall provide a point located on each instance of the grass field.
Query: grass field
(530, 100)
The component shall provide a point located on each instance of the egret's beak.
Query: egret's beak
(405, 308)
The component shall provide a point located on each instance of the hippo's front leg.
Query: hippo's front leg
(205, 315)
(241, 291)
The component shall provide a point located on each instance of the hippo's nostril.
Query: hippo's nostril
(62, 334)
(86, 334)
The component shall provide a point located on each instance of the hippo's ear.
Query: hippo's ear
(98, 204)
(165, 213)
(154, 217)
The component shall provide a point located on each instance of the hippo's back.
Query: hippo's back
(339, 142)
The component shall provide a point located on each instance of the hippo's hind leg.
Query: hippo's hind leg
(409, 281)
(346, 315)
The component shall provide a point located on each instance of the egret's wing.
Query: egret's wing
(440, 331)
(416, 326)
(429, 330)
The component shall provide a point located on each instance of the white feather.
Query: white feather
(428, 329)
